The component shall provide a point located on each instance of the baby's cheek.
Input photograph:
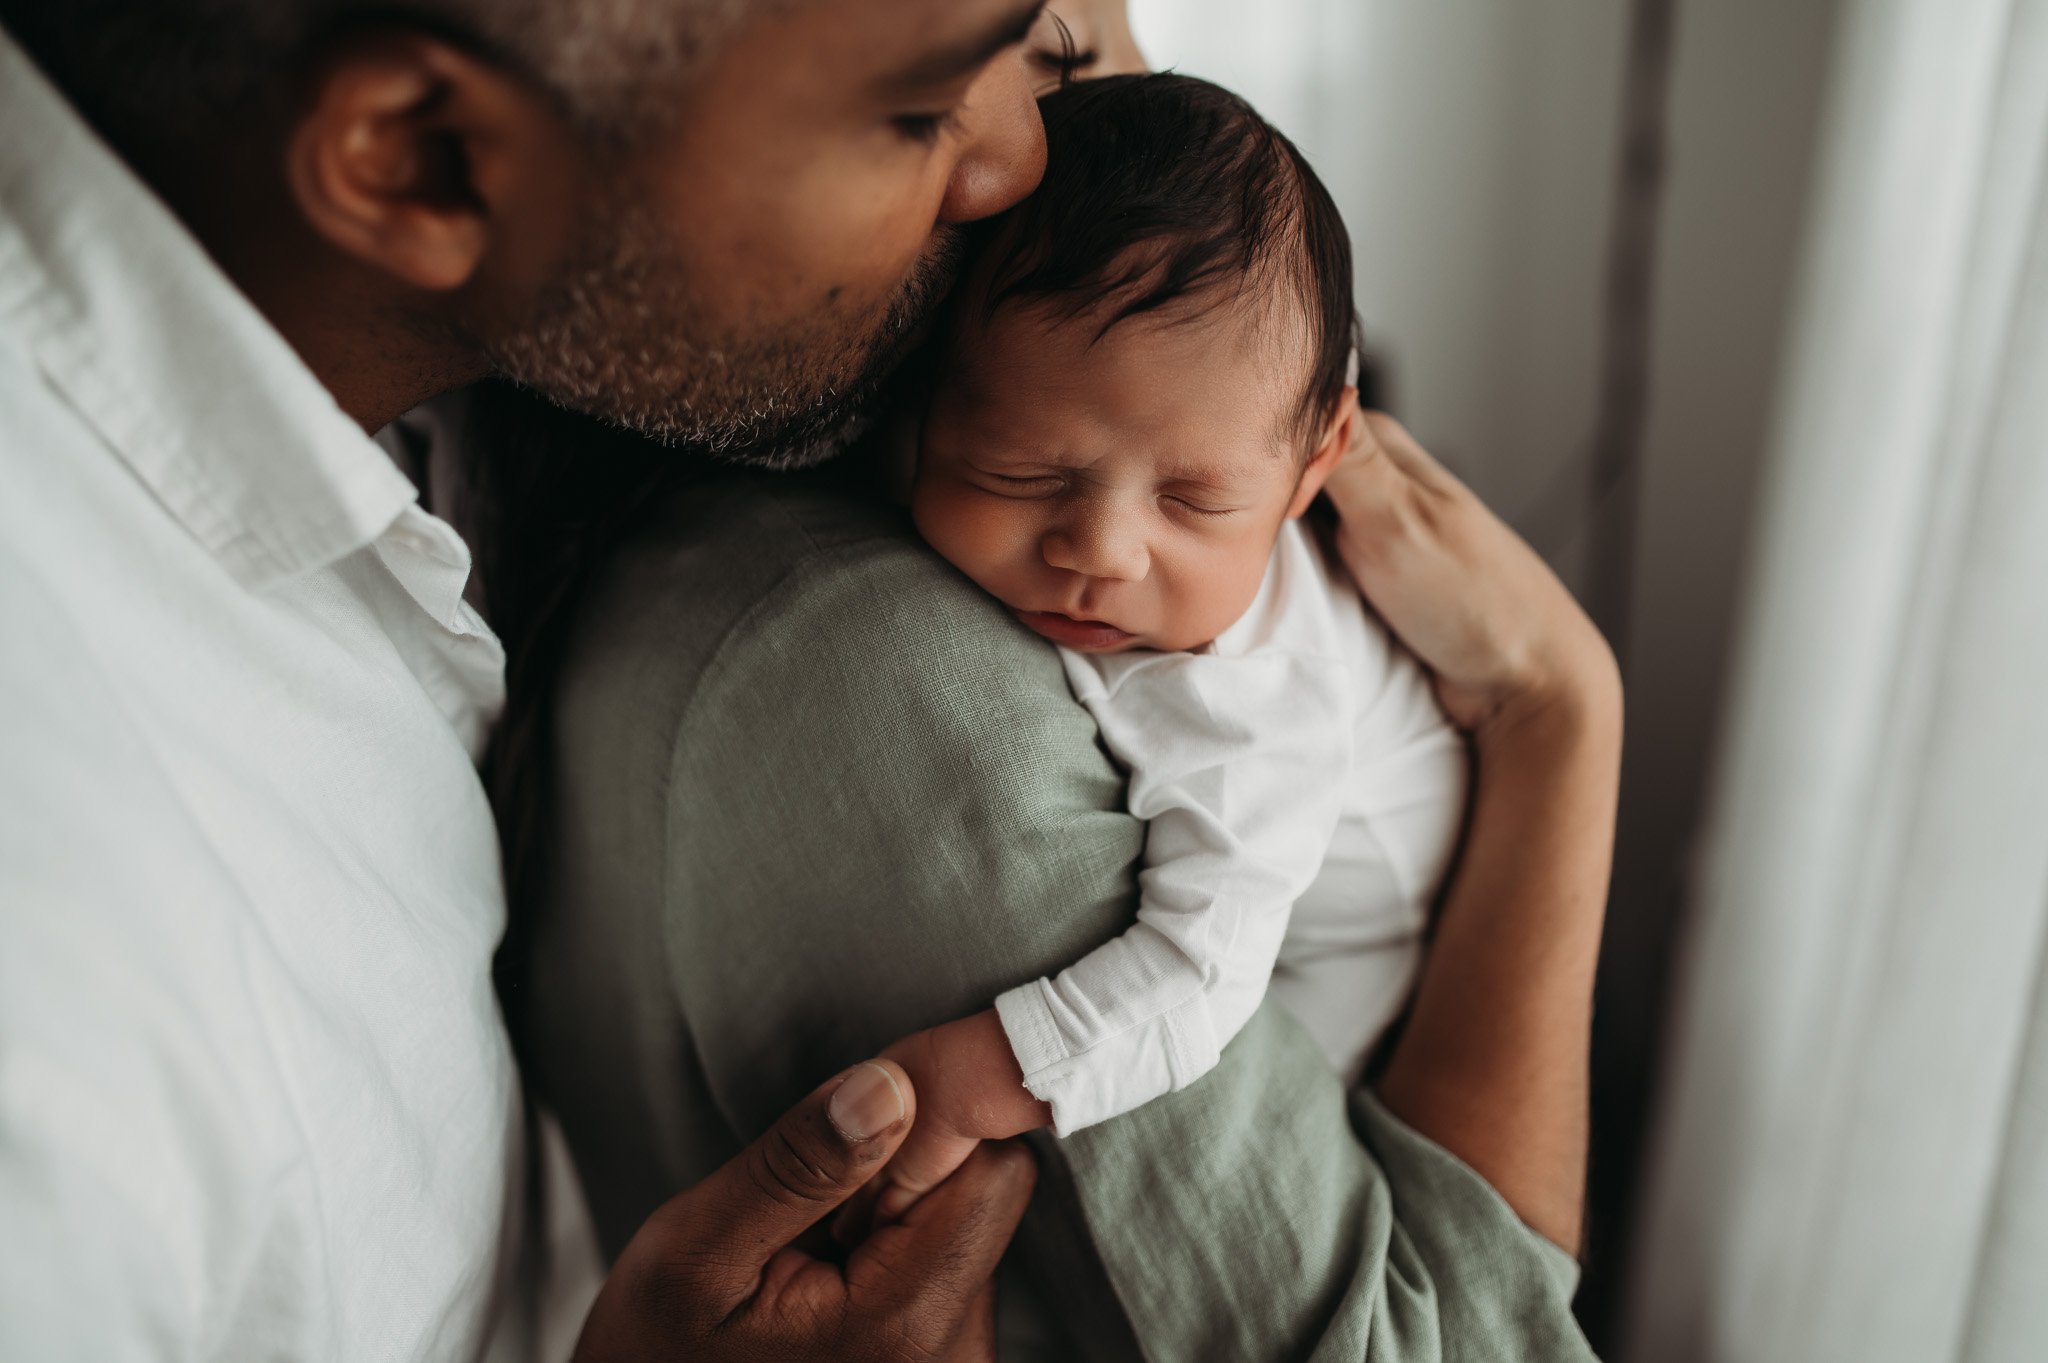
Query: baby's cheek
(1221, 589)
(968, 528)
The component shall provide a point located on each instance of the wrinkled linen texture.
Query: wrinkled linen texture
(816, 791)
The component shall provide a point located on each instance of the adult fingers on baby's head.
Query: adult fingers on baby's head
(1371, 487)
(1401, 511)
(1363, 450)
(1404, 454)
(1385, 515)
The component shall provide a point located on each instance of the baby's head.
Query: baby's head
(1145, 371)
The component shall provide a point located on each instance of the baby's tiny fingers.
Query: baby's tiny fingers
(859, 1216)
(895, 1200)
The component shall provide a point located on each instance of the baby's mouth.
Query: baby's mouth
(1088, 636)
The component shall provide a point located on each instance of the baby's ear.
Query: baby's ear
(1337, 438)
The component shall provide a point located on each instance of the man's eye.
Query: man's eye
(1053, 60)
(926, 128)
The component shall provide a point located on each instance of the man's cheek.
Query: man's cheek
(810, 266)
(859, 251)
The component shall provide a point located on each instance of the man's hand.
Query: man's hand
(715, 1275)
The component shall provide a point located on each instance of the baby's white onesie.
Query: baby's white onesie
(1302, 793)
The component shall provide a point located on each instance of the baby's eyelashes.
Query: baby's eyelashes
(1198, 508)
(1037, 484)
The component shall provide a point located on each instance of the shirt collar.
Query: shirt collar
(135, 325)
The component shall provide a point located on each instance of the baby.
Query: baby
(1147, 378)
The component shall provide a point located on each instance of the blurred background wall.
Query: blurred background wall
(1472, 148)
(1587, 234)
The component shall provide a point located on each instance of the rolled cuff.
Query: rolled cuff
(1116, 1074)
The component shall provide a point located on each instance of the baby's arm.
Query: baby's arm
(969, 1090)
(1237, 765)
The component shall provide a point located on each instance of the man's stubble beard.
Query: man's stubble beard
(618, 336)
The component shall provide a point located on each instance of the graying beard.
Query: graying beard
(586, 349)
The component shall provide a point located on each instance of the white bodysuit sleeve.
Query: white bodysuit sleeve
(1237, 764)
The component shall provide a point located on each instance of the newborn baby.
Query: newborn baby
(1142, 387)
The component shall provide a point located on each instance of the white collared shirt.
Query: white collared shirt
(256, 1100)
(1302, 793)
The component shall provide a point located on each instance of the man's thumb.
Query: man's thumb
(815, 1157)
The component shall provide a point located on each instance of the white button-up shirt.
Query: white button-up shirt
(256, 1100)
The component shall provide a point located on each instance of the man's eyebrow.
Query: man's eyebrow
(958, 58)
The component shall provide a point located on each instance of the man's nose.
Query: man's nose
(1097, 545)
(1004, 154)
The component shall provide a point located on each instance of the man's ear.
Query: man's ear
(1337, 437)
(409, 152)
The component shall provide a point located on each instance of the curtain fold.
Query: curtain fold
(1852, 1161)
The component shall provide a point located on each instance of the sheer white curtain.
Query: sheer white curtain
(1853, 1153)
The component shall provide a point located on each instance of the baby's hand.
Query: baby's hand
(969, 1089)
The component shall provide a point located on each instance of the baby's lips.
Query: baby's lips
(1066, 630)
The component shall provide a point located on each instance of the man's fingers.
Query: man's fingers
(815, 1157)
(976, 1342)
(926, 1270)
(1369, 478)
(1404, 452)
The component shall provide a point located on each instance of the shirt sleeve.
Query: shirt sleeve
(1237, 766)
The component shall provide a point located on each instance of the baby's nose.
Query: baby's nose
(1099, 545)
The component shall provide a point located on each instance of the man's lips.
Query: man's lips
(1065, 629)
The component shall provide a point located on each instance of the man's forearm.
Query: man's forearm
(1493, 1063)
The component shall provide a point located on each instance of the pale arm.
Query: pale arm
(1504, 1085)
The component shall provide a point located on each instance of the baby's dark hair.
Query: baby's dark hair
(1165, 187)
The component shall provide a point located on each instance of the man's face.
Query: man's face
(744, 279)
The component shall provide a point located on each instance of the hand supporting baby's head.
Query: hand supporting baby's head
(1145, 371)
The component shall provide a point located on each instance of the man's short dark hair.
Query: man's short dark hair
(152, 72)
(1165, 187)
